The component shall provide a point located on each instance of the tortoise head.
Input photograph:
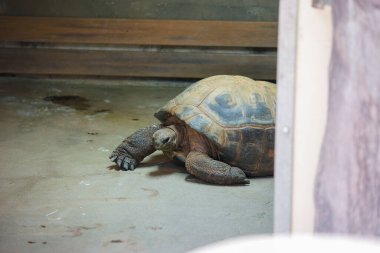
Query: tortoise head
(166, 139)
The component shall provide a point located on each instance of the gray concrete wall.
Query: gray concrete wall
(243, 10)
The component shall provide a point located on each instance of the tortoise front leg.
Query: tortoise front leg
(135, 148)
(213, 171)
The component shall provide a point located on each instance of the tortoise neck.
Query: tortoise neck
(189, 139)
(199, 142)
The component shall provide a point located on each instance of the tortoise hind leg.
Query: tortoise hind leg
(213, 171)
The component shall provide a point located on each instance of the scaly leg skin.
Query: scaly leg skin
(213, 171)
(135, 148)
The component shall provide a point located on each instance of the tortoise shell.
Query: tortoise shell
(236, 113)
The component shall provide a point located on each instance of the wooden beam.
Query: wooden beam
(101, 31)
(134, 63)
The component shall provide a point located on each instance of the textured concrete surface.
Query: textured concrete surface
(60, 193)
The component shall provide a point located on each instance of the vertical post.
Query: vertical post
(286, 67)
(314, 39)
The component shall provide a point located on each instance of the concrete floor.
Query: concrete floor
(59, 192)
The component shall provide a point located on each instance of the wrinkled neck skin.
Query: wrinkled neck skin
(188, 140)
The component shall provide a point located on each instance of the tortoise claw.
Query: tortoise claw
(119, 162)
(237, 176)
(123, 161)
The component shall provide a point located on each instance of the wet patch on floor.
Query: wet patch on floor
(77, 102)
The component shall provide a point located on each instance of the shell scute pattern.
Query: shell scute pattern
(260, 112)
(201, 123)
(239, 105)
(224, 108)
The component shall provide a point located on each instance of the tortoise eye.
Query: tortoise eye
(225, 101)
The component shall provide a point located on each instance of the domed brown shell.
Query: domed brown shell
(236, 113)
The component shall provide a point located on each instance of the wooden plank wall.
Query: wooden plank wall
(136, 48)
(237, 10)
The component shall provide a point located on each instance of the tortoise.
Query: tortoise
(221, 128)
